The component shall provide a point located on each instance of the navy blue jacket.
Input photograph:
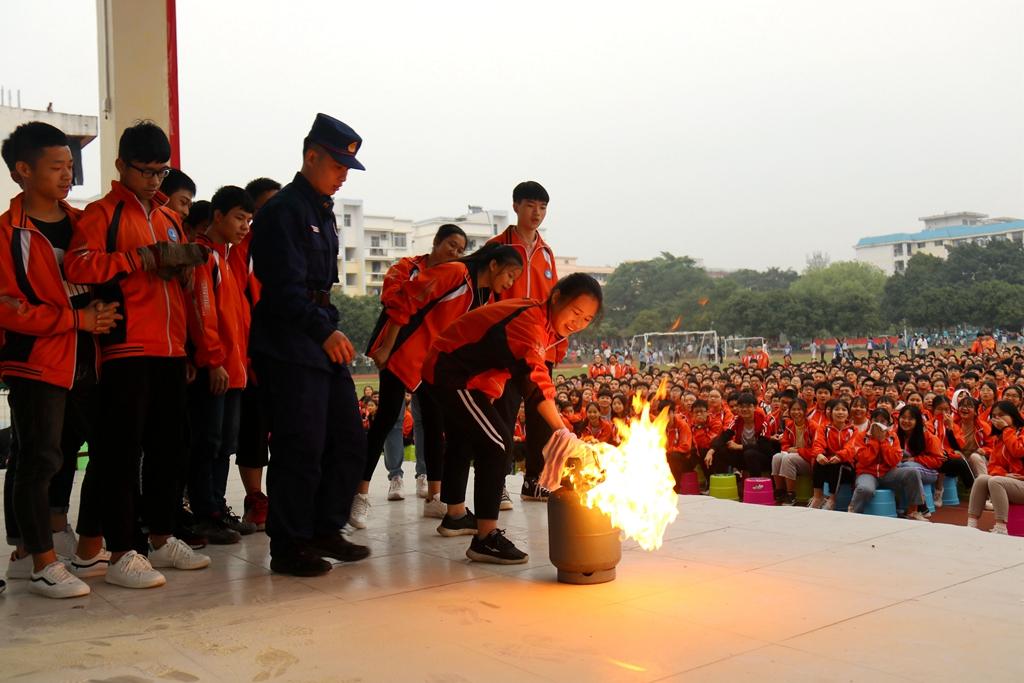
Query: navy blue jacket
(295, 256)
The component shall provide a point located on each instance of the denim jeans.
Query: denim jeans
(904, 482)
(394, 451)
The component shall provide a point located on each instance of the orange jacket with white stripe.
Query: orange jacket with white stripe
(539, 272)
(220, 329)
(875, 457)
(832, 441)
(103, 254)
(789, 440)
(1007, 453)
(40, 326)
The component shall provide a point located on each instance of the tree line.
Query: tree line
(979, 285)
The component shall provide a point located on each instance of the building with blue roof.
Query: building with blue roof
(891, 252)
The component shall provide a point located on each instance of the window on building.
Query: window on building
(375, 241)
(897, 250)
(920, 245)
(1018, 237)
(347, 220)
(400, 241)
(471, 247)
(375, 267)
(899, 266)
(350, 253)
(964, 222)
(350, 279)
(938, 243)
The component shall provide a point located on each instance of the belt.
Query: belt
(319, 297)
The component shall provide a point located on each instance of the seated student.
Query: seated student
(717, 407)
(816, 415)
(703, 432)
(745, 444)
(859, 414)
(220, 334)
(569, 416)
(604, 403)
(877, 455)
(49, 363)
(833, 458)
(950, 438)
(797, 452)
(620, 408)
(976, 435)
(678, 444)
(594, 428)
(1004, 481)
(922, 450)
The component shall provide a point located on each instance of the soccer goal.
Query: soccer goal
(669, 348)
(735, 346)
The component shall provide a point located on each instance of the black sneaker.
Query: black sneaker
(534, 491)
(339, 548)
(463, 526)
(236, 523)
(496, 549)
(299, 562)
(190, 536)
(217, 532)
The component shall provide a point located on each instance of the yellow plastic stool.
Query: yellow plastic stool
(804, 488)
(724, 486)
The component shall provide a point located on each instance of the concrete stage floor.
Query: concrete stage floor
(738, 592)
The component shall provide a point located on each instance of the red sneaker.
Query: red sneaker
(255, 507)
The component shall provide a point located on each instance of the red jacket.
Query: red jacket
(539, 272)
(486, 347)
(220, 316)
(423, 308)
(876, 457)
(931, 457)
(240, 261)
(702, 435)
(789, 440)
(1007, 454)
(680, 439)
(603, 433)
(41, 340)
(597, 370)
(103, 253)
(829, 441)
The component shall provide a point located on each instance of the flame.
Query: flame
(632, 483)
(676, 324)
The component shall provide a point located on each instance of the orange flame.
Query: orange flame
(632, 483)
(703, 301)
(676, 324)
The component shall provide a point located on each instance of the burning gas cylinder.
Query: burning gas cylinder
(582, 542)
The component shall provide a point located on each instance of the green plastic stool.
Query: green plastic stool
(804, 488)
(723, 486)
(83, 462)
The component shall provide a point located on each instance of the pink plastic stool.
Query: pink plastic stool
(758, 491)
(687, 485)
(1015, 520)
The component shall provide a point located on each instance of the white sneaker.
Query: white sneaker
(395, 489)
(421, 486)
(177, 554)
(433, 507)
(55, 581)
(988, 505)
(815, 503)
(360, 511)
(134, 571)
(830, 504)
(96, 566)
(1000, 529)
(506, 500)
(916, 516)
(65, 543)
(20, 569)
(937, 498)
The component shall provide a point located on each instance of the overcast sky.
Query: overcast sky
(747, 134)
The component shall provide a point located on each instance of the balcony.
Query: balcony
(377, 254)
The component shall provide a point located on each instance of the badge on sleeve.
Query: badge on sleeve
(172, 234)
(547, 274)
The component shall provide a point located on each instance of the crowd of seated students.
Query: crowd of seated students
(901, 423)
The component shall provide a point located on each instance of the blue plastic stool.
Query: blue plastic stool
(843, 497)
(929, 497)
(949, 492)
(882, 504)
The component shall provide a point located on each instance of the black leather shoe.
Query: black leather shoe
(339, 548)
(299, 562)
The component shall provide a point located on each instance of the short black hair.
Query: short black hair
(258, 186)
(177, 180)
(144, 142)
(28, 141)
(578, 284)
(199, 215)
(529, 189)
(229, 197)
(746, 399)
(447, 230)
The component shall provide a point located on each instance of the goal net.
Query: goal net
(670, 348)
(735, 346)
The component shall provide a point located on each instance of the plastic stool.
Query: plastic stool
(83, 462)
(949, 492)
(758, 491)
(843, 497)
(804, 488)
(1015, 520)
(929, 497)
(724, 486)
(688, 485)
(882, 504)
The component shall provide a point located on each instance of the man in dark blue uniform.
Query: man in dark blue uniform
(300, 357)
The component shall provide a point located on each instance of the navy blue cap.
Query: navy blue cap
(338, 138)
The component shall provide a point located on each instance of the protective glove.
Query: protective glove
(560, 448)
(169, 259)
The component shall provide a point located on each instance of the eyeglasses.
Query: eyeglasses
(148, 173)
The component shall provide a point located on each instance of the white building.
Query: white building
(81, 130)
(567, 265)
(891, 252)
(369, 245)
